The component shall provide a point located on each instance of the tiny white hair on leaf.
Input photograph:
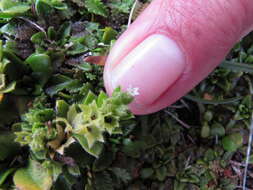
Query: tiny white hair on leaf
(134, 91)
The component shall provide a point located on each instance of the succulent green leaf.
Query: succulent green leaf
(40, 63)
(91, 132)
(68, 84)
(62, 108)
(34, 177)
(9, 28)
(101, 98)
(42, 8)
(68, 127)
(72, 113)
(80, 3)
(41, 67)
(51, 33)
(205, 131)
(53, 168)
(39, 115)
(8, 146)
(16, 68)
(2, 81)
(8, 88)
(77, 48)
(6, 4)
(89, 98)
(74, 170)
(4, 174)
(64, 32)
(96, 7)
(123, 6)
(146, 173)
(95, 150)
(232, 142)
(217, 129)
(57, 4)
(38, 38)
(161, 173)
(109, 35)
(3, 65)
(1, 50)
(84, 67)
(11, 9)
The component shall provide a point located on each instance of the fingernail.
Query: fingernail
(149, 69)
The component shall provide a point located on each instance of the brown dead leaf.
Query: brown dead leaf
(208, 96)
(98, 60)
(1, 97)
(228, 173)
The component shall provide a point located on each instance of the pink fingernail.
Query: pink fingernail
(149, 69)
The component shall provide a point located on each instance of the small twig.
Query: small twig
(191, 139)
(13, 161)
(178, 120)
(237, 170)
(185, 104)
(33, 24)
(250, 174)
(216, 139)
(237, 163)
(248, 156)
(187, 166)
(177, 106)
(241, 187)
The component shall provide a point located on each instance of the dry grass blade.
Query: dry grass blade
(237, 67)
(248, 157)
(136, 10)
(178, 120)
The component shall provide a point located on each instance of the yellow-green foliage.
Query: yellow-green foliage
(34, 177)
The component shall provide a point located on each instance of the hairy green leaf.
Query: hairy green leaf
(232, 142)
(34, 177)
(96, 7)
(8, 146)
(95, 150)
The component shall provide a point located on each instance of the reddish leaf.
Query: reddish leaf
(98, 60)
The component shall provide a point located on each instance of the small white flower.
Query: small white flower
(134, 91)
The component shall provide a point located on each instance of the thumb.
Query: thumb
(172, 46)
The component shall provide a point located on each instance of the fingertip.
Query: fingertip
(147, 71)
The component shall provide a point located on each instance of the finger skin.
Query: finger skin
(204, 30)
